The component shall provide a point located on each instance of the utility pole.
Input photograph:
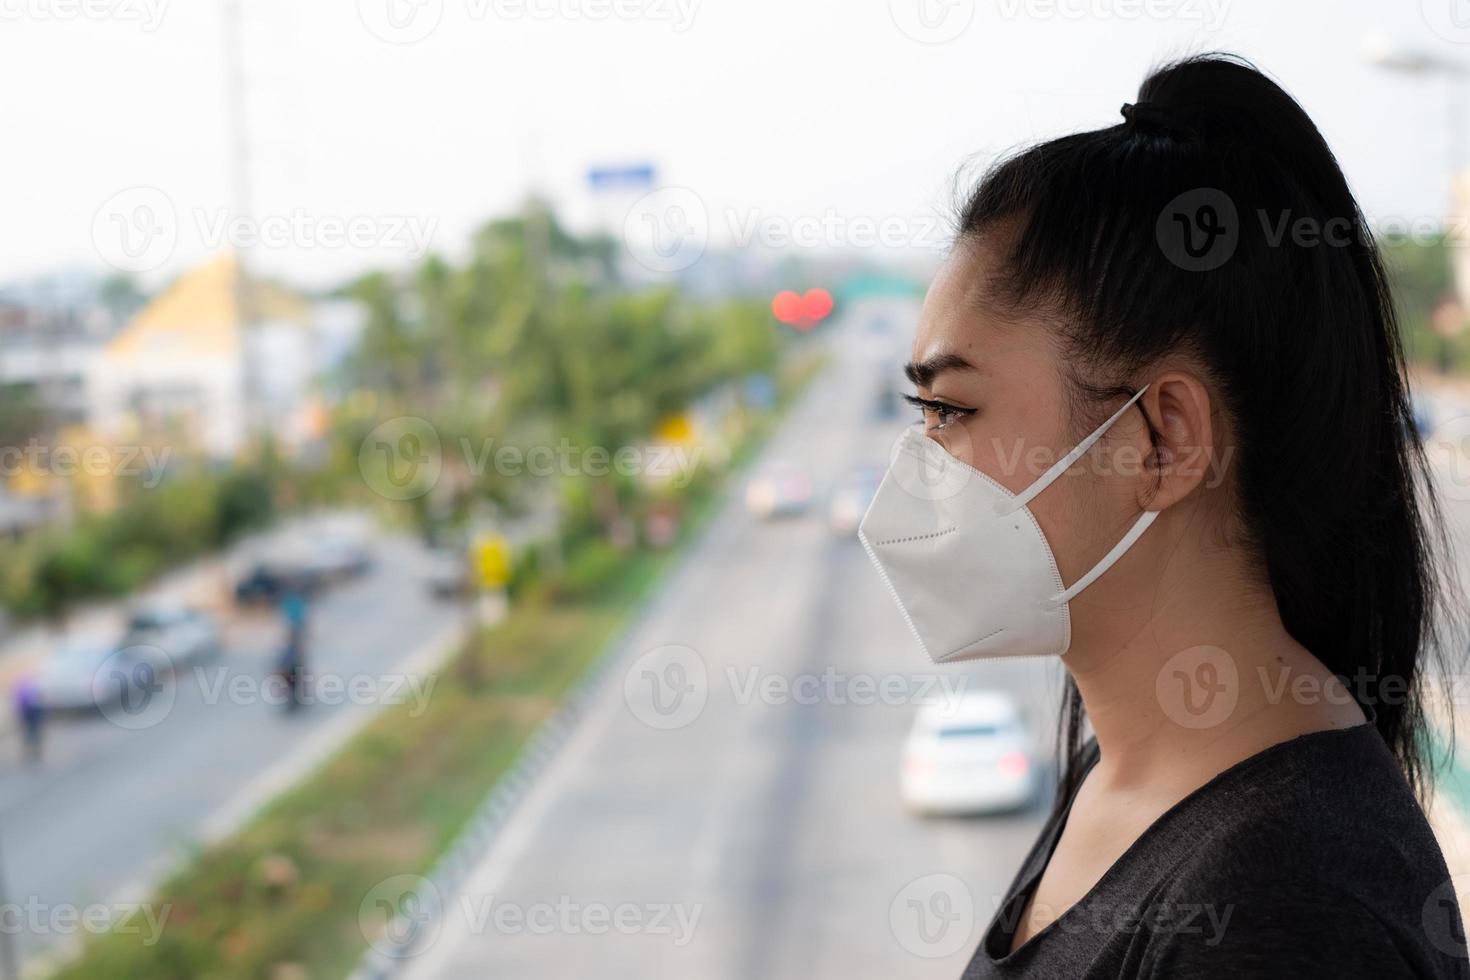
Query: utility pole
(9, 958)
(238, 136)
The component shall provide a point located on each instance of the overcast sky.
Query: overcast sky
(836, 121)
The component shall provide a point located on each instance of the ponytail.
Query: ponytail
(1213, 219)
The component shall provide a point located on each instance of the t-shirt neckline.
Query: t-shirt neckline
(1015, 905)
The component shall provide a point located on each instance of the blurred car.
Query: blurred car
(780, 490)
(334, 557)
(449, 573)
(80, 675)
(969, 756)
(185, 634)
(850, 501)
(270, 581)
(305, 569)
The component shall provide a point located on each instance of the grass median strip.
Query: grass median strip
(281, 898)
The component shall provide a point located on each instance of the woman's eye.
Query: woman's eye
(945, 415)
(937, 415)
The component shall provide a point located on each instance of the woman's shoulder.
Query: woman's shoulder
(1319, 842)
(1333, 805)
(1290, 926)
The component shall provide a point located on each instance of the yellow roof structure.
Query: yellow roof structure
(198, 314)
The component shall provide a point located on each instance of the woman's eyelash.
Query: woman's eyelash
(941, 408)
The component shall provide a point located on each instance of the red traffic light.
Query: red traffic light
(802, 312)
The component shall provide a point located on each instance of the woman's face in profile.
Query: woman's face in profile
(1012, 414)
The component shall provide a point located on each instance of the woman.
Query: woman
(1166, 436)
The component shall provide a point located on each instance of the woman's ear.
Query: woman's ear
(1178, 408)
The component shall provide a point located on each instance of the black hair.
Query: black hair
(1214, 220)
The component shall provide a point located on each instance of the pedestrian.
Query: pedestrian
(32, 714)
(293, 656)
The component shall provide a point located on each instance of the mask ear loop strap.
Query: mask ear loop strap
(1134, 533)
(1065, 463)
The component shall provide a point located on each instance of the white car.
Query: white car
(779, 490)
(337, 556)
(93, 670)
(970, 755)
(185, 634)
(852, 499)
(449, 573)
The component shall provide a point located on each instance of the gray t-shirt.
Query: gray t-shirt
(1310, 859)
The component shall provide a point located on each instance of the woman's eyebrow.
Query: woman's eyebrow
(922, 373)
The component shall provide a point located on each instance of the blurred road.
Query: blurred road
(111, 807)
(765, 837)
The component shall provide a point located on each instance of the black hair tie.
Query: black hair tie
(1147, 117)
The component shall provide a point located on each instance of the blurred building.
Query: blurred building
(217, 358)
(52, 328)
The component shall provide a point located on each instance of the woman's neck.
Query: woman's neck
(1201, 676)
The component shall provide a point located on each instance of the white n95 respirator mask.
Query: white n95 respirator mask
(965, 559)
